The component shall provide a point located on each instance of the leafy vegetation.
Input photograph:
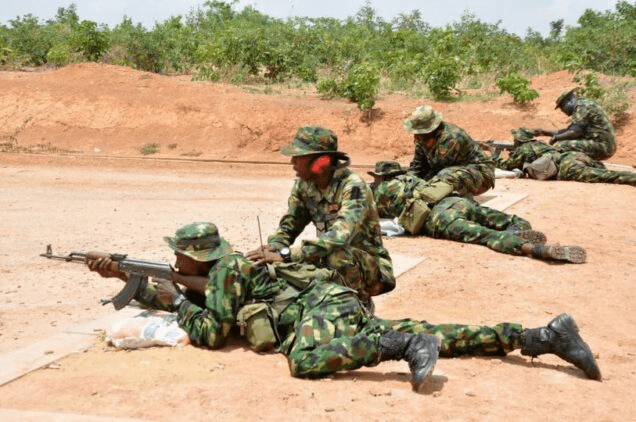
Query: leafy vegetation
(356, 58)
(517, 86)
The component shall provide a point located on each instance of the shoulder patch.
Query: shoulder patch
(355, 193)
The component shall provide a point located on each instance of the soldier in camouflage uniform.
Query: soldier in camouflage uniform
(340, 204)
(323, 328)
(445, 152)
(569, 165)
(463, 219)
(590, 131)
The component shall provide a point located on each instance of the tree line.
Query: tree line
(352, 58)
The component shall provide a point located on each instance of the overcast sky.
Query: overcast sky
(515, 15)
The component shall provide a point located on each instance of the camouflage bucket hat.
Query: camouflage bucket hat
(564, 96)
(522, 134)
(199, 241)
(313, 140)
(423, 120)
(386, 168)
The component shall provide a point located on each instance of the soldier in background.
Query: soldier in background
(462, 219)
(446, 153)
(590, 131)
(540, 161)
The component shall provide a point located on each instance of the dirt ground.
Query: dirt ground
(76, 178)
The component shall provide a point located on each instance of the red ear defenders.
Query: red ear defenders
(320, 163)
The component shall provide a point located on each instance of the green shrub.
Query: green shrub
(591, 86)
(442, 76)
(358, 84)
(89, 40)
(517, 86)
(150, 149)
(361, 85)
(59, 55)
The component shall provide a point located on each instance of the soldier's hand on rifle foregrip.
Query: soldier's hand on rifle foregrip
(106, 267)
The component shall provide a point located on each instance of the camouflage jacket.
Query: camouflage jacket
(391, 195)
(345, 215)
(233, 282)
(593, 120)
(454, 147)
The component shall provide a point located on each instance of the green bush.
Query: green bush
(59, 55)
(517, 86)
(442, 76)
(89, 40)
(358, 84)
(361, 85)
(149, 149)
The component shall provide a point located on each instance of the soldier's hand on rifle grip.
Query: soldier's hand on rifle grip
(166, 291)
(106, 267)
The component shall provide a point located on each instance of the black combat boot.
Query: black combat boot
(561, 337)
(419, 350)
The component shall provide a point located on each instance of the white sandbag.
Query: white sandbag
(149, 328)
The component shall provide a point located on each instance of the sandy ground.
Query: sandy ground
(90, 188)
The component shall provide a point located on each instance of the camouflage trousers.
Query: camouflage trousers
(327, 330)
(581, 168)
(464, 220)
(598, 149)
(471, 179)
(368, 274)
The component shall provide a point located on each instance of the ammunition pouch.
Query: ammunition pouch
(256, 321)
(414, 215)
(418, 207)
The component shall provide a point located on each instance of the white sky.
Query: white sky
(515, 15)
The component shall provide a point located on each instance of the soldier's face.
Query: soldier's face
(428, 139)
(302, 166)
(186, 265)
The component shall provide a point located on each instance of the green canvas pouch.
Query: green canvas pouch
(255, 322)
(414, 215)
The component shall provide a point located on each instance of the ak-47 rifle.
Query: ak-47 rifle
(134, 268)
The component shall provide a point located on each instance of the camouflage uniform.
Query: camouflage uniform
(455, 159)
(453, 218)
(597, 140)
(324, 328)
(571, 165)
(349, 238)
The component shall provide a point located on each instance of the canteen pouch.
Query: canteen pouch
(414, 215)
(255, 322)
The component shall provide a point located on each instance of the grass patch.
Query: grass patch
(150, 149)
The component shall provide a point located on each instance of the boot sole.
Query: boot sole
(573, 254)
